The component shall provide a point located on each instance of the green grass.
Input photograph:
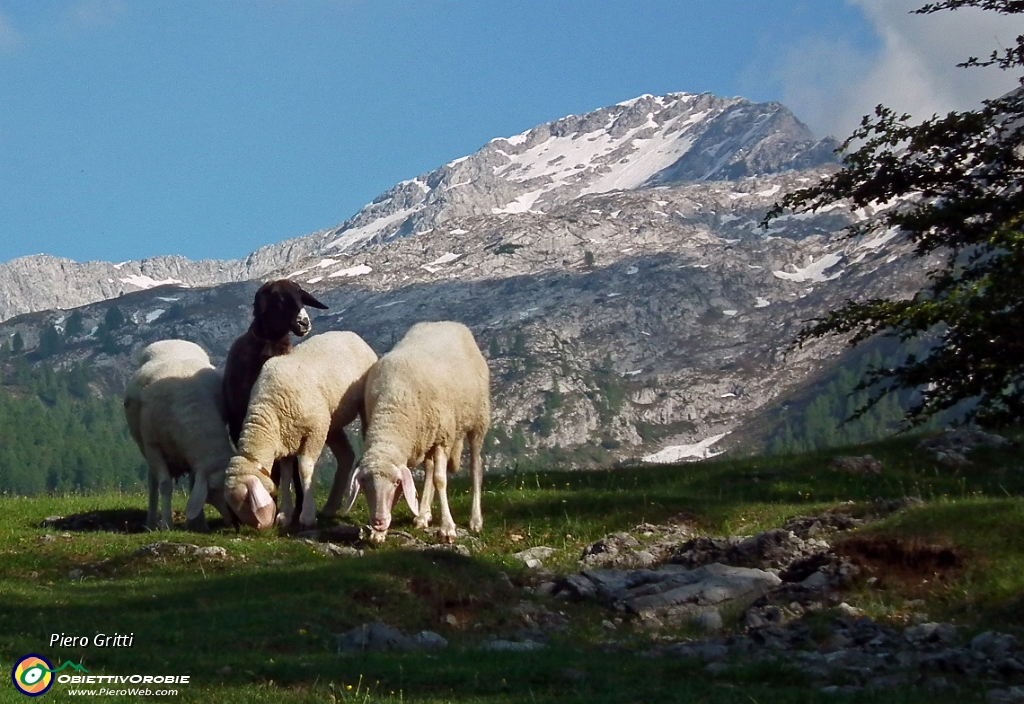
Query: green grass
(260, 626)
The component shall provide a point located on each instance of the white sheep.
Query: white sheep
(422, 399)
(174, 408)
(300, 402)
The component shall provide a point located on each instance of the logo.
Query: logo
(32, 675)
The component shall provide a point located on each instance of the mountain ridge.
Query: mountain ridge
(675, 138)
(619, 323)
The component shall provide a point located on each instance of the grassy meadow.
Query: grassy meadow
(260, 626)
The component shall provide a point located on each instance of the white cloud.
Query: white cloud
(830, 86)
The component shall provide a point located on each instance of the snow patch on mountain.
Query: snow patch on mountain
(358, 270)
(142, 281)
(674, 453)
(351, 238)
(815, 271)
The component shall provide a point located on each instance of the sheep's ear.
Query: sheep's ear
(409, 490)
(260, 503)
(351, 491)
(259, 301)
(307, 299)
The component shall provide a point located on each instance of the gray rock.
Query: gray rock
(816, 580)
(546, 588)
(716, 668)
(534, 557)
(375, 636)
(428, 640)
(709, 621)
(857, 465)
(840, 689)
(845, 609)
(511, 646)
(1011, 695)
(777, 548)
(931, 635)
(577, 586)
(962, 441)
(812, 526)
(165, 548)
(898, 679)
(212, 552)
(992, 644)
(708, 651)
(332, 549)
(936, 684)
(707, 586)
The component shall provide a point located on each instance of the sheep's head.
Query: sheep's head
(249, 493)
(381, 485)
(278, 309)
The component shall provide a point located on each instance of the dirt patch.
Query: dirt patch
(899, 563)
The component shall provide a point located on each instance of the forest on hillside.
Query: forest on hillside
(830, 412)
(59, 433)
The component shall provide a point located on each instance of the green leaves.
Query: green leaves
(954, 186)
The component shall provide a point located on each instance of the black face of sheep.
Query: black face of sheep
(278, 309)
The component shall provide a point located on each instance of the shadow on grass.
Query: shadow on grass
(247, 616)
(268, 635)
(115, 520)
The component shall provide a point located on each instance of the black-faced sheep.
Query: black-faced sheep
(174, 408)
(277, 310)
(300, 402)
(422, 399)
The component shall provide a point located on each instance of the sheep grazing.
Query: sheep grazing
(277, 309)
(423, 398)
(174, 408)
(300, 402)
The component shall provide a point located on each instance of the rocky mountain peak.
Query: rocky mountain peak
(647, 141)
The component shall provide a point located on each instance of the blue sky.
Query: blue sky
(208, 128)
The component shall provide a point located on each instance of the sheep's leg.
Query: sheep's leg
(342, 450)
(447, 532)
(284, 491)
(306, 463)
(194, 518)
(455, 460)
(476, 469)
(422, 519)
(154, 488)
(160, 481)
(216, 499)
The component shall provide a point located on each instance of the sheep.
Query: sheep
(277, 309)
(422, 399)
(300, 402)
(175, 414)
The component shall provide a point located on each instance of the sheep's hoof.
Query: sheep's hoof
(377, 537)
(447, 536)
(476, 524)
(422, 522)
(197, 524)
